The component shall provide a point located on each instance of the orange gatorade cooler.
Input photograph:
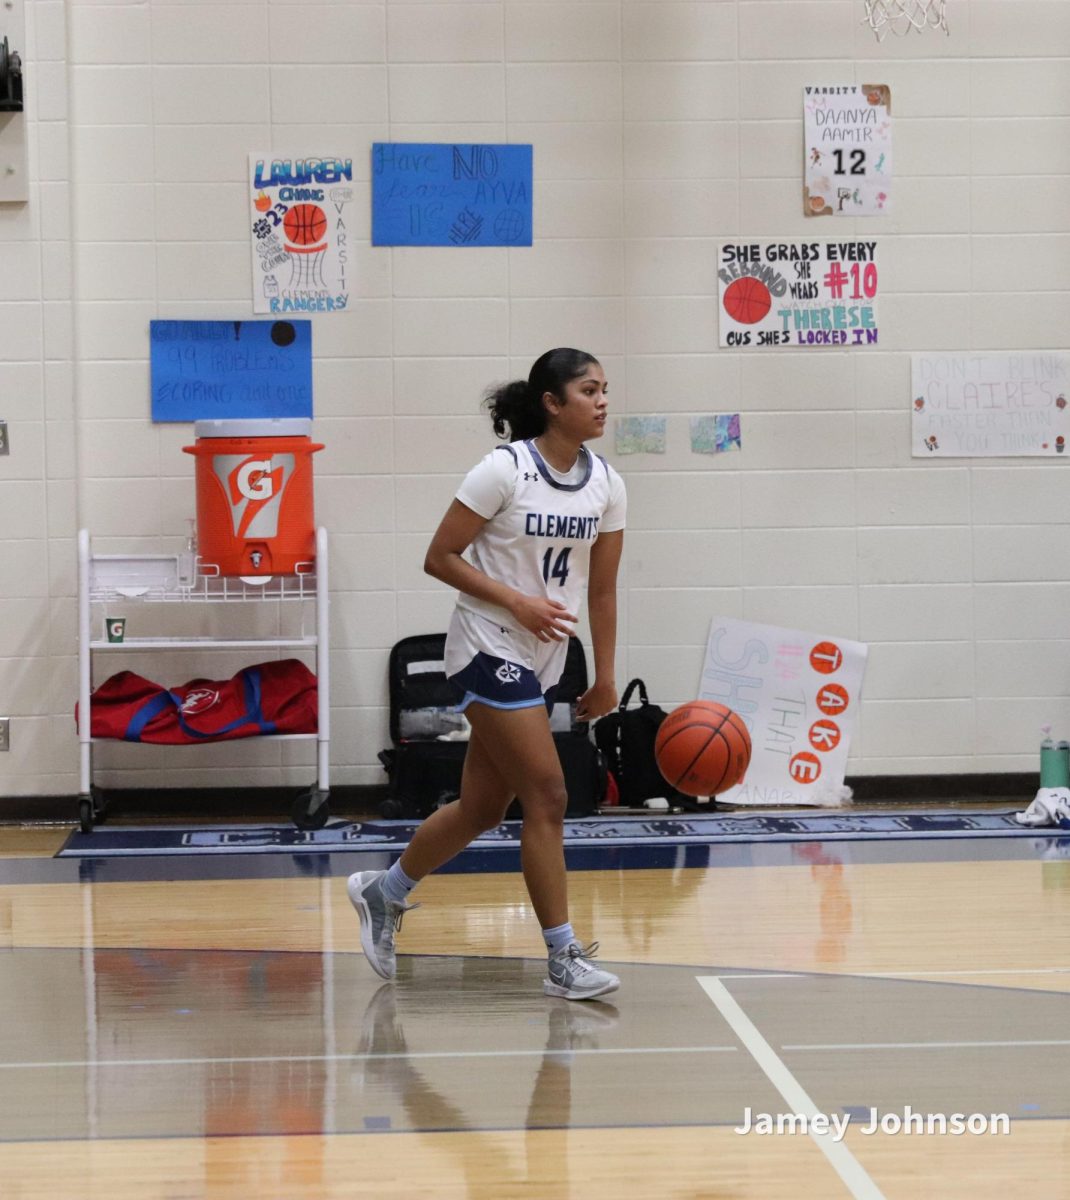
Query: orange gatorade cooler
(254, 495)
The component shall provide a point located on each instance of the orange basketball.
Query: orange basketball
(747, 300)
(305, 224)
(703, 748)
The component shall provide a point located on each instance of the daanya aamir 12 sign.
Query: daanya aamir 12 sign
(848, 147)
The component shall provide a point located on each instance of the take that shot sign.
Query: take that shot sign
(798, 694)
(798, 294)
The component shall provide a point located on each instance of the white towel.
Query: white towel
(1050, 807)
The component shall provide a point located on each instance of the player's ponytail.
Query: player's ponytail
(517, 410)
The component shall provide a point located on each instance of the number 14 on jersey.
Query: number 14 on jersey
(555, 567)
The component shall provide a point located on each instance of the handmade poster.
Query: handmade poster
(716, 434)
(209, 370)
(441, 194)
(798, 694)
(989, 405)
(813, 293)
(848, 142)
(639, 435)
(300, 213)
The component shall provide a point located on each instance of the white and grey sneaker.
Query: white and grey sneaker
(380, 919)
(572, 975)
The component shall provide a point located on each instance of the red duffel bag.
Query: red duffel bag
(272, 697)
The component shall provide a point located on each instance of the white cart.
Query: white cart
(134, 579)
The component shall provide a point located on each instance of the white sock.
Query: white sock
(558, 938)
(396, 884)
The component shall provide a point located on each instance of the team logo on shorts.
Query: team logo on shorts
(508, 673)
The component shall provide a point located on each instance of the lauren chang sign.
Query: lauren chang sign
(798, 694)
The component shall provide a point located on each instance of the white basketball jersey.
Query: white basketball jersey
(539, 539)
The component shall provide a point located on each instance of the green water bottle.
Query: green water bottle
(1054, 762)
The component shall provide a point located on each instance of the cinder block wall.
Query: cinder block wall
(660, 128)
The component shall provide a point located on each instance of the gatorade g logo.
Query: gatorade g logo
(254, 487)
(254, 480)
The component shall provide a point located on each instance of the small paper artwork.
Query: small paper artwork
(640, 435)
(715, 434)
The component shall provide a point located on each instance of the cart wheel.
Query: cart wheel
(391, 809)
(85, 814)
(100, 808)
(311, 810)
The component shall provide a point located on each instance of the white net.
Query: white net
(901, 16)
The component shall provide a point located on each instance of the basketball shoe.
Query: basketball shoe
(380, 919)
(572, 975)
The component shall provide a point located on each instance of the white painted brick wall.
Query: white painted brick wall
(659, 129)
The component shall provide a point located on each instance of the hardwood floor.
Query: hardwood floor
(223, 1036)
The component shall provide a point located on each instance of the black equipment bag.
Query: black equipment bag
(424, 772)
(626, 738)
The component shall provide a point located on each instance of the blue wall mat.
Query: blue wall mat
(204, 370)
(429, 194)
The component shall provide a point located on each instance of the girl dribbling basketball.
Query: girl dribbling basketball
(542, 520)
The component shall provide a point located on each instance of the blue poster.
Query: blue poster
(205, 370)
(431, 194)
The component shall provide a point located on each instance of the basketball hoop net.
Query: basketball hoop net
(900, 16)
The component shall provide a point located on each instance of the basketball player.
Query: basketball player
(543, 521)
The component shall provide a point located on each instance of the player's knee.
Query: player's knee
(487, 816)
(547, 801)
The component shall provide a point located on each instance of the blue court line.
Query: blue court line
(14, 871)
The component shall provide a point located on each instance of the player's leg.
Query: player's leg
(380, 897)
(527, 760)
(485, 796)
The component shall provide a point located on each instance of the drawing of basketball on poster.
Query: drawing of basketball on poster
(798, 694)
(798, 294)
(848, 150)
(299, 212)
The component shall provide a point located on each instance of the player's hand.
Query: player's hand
(547, 619)
(597, 701)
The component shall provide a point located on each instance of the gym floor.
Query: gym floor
(207, 1026)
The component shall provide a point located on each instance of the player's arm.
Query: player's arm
(601, 697)
(547, 619)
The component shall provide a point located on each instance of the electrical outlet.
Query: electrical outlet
(5, 733)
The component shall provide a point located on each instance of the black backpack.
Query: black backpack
(626, 737)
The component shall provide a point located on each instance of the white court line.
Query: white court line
(791, 975)
(896, 974)
(849, 1169)
(915, 1045)
(311, 1058)
(1001, 971)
